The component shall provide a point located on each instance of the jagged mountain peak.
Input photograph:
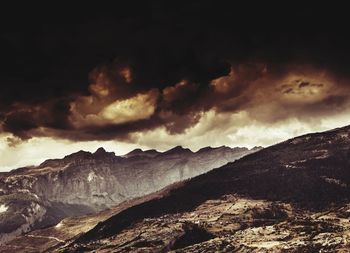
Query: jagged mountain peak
(100, 150)
(79, 155)
(205, 149)
(139, 152)
(178, 150)
(136, 151)
(88, 155)
(102, 153)
(225, 149)
(257, 148)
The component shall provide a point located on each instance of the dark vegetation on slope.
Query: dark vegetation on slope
(193, 234)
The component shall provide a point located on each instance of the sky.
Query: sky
(157, 74)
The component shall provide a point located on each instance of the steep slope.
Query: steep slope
(43, 240)
(84, 182)
(291, 197)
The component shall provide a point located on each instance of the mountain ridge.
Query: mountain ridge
(85, 182)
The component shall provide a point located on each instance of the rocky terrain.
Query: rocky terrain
(85, 183)
(291, 197)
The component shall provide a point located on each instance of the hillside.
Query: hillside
(291, 197)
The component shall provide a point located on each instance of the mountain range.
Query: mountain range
(87, 183)
(290, 197)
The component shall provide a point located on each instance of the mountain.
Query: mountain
(84, 183)
(290, 197)
(139, 152)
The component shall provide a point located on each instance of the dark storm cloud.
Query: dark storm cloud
(54, 57)
(52, 114)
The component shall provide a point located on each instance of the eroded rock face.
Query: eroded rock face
(18, 225)
(87, 182)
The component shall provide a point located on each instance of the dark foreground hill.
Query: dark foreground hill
(291, 197)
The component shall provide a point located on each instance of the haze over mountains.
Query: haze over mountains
(84, 183)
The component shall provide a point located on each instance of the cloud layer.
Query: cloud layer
(128, 73)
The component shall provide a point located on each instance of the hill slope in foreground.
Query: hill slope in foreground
(291, 197)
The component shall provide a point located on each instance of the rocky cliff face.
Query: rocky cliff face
(85, 182)
(291, 197)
